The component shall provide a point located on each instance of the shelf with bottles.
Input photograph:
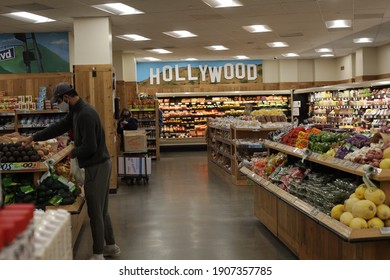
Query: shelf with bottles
(33, 120)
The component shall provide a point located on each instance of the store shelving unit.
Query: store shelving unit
(147, 117)
(32, 120)
(220, 148)
(186, 114)
(77, 209)
(7, 121)
(305, 230)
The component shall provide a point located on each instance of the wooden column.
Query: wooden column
(94, 85)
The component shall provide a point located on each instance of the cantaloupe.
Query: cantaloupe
(346, 218)
(375, 195)
(375, 223)
(364, 209)
(336, 211)
(358, 223)
(359, 191)
(383, 211)
(349, 203)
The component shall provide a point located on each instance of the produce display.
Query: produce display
(15, 152)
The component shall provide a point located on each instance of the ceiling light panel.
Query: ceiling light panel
(323, 50)
(240, 57)
(149, 58)
(277, 44)
(189, 59)
(160, 51)
(223, 3)
(29, 17)
(119, 9)
(290, 54)
(180, 34)
(327, 55)
(257, 28)
(363, 40)
(339, 23)
(133, 37)
(217, 48)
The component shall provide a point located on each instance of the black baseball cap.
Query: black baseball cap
(59, 91)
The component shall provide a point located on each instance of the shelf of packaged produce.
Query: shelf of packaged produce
(20, 167)
(183, 141)
(32, 126)
(142, 110)
(221, 166)
(194, 116)
(260, 129)
(218, 151)
(249, 146)
(223, 140)
(336, 163)
(146, 120)
(32, 112)
(219, 127)
(3, 128)
(343, 231)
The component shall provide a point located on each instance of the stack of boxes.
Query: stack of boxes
(25, 102)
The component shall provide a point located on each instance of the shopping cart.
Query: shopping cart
(135, 164)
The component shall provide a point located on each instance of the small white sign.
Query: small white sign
(296, 104)
(295, 111)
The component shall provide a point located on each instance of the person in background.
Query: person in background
(91, 152)
(126, 122)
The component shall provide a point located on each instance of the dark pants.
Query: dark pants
(96, 187)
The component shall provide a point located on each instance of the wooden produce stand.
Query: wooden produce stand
(308, 232)
(77, 210)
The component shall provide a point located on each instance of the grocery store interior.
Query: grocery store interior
(258, 129)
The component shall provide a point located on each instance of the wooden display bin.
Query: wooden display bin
(306, 231)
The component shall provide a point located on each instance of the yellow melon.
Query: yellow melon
(375, 223)
(349, 203)
(359, 191)
(358, 223)
(386, 153)
(383, 211)
(346, 218)
(387, 223)
(353, 195)
(336, 211)
(385, 163)
(375, 195)
(364, 209)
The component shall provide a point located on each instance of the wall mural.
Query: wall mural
(34, 52)
(199, 72)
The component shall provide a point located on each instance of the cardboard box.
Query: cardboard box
(135, 140)
(134, 166)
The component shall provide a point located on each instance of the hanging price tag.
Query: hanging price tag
(347, 163)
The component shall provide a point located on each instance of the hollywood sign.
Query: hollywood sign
(227, 71)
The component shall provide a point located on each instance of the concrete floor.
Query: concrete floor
(186, 212)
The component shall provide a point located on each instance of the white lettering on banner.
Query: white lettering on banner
(189, 71)
(254, 72)
(240, 66)
(230, 71)
(167, 69)
(203, 70)
(7, 54)
(154, 76)
(177, 73)
(215, 74)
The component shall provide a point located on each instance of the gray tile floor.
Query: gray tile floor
(186, 212)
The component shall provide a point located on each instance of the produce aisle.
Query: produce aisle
(186, 212)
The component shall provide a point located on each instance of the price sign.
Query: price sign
(15, 166)
(385, 230)
(378, 170)
(336, 160)
(355, 165)
(314, 212)
(346, 163)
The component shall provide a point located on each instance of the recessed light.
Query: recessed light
(29, 17)
(323, 50)
(217, 48)
(339, 23)
(257, 28)
(222, 3)
(363, 40)
(327, 55)
(119, 9)
(180, 34)
(240, 57)
(149, 58)
(159, 51)
(133, 37)
(290, 54)
(190, 59)
(277, 44)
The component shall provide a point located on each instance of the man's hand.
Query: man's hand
(25, 140)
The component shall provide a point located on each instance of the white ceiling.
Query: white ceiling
(300, 23)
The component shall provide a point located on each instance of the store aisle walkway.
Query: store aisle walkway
(186, 212)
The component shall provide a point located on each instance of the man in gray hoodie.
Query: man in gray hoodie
(92, 155)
